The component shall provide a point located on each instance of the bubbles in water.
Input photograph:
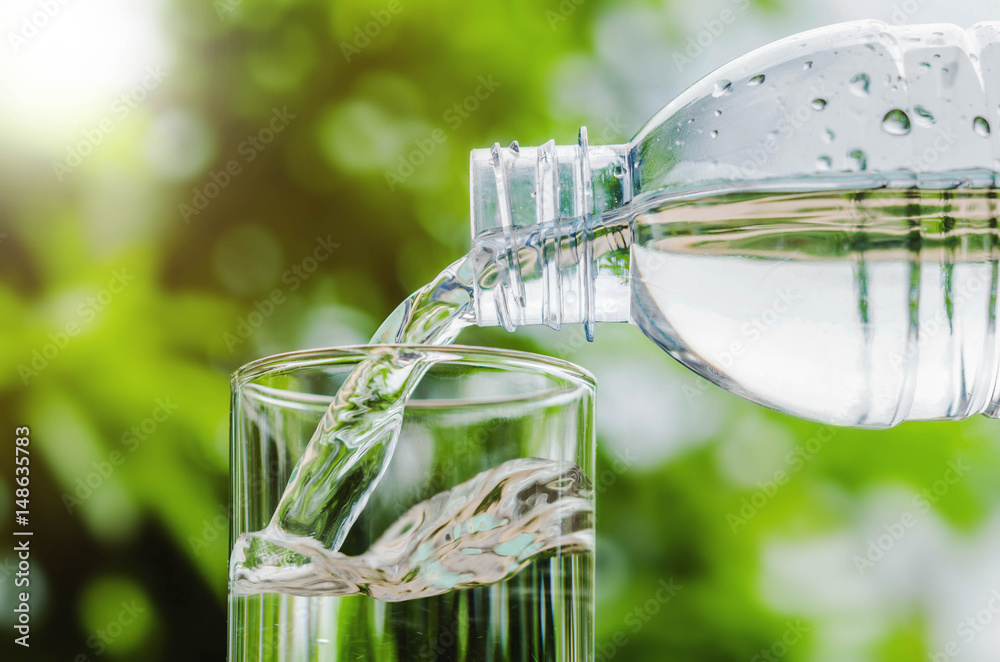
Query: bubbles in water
(896, 122)
(981, 127)
(829, 136)
(824, 163)
(714, 134)
(923, 117)
(756, 80)
(818, 104)
(860, 84)
(722, 88)
(859, 158)
(925, 66)
(808, 65)
(718, 112)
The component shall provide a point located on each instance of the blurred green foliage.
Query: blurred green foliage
(127, 303)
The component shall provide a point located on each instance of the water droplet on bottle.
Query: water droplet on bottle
(923, 116)
(896, 123)
(859, 158)
(617, 170)
(860, 84)
(690, 120)
(829, 136)
(718, 112)
(981, 127)
(714, 134)
(925, 66)
(824, 163)
(818, 104)
(808, 64)
(756, 80)
(722, 88)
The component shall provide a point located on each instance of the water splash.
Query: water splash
(480, 532)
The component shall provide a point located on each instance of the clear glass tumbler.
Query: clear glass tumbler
(474, 410)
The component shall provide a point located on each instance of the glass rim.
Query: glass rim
(457, 355)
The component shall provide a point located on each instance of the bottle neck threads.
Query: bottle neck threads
(541, 223)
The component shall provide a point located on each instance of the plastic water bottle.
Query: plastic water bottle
(813, 226)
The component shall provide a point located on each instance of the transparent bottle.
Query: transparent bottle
(813, 226)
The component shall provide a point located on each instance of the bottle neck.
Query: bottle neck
(550, 237)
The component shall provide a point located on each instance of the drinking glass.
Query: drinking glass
(473, 410)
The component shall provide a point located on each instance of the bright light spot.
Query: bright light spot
(65, 63)
(179, 144)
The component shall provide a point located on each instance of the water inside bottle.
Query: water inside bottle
(861, 307)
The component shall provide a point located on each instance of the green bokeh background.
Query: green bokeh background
(126, 303)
